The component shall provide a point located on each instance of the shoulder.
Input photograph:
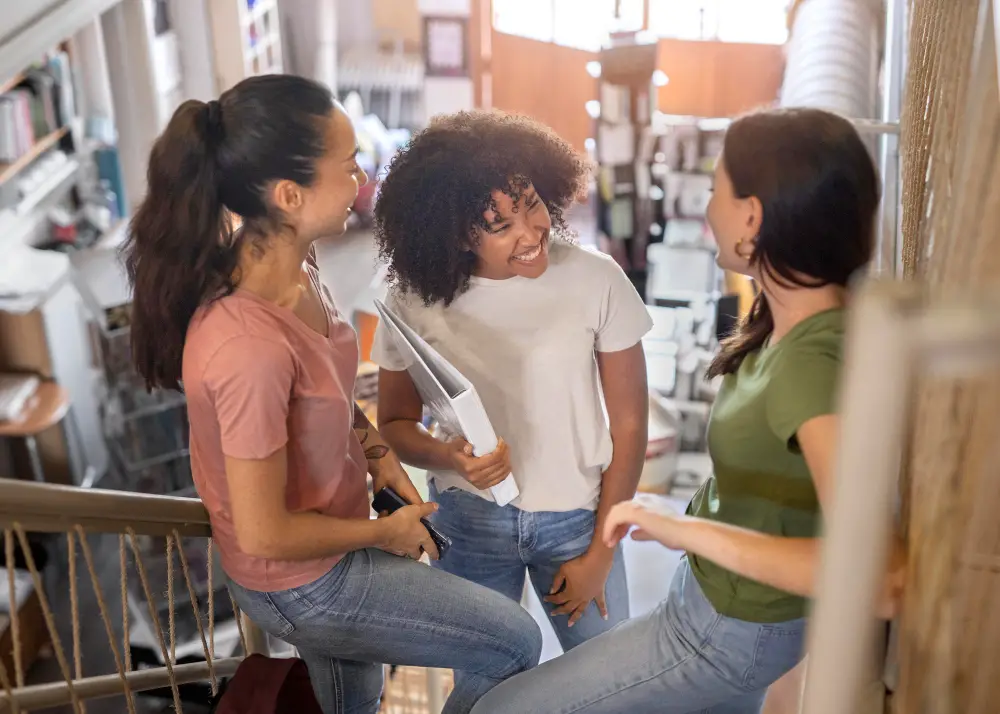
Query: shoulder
(234, 330)
(583, 262)
(822, 341)
(411, 308)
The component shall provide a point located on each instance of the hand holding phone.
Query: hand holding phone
(388, 501)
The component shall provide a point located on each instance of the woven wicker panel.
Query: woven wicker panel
(949, 645)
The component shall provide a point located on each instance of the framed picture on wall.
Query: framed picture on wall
(446, 46)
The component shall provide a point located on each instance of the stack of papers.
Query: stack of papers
(27, 275)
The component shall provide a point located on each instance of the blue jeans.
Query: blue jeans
(682, 658)
(374, 608)
(496, 546)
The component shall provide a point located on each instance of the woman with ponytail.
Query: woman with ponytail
(228, 305)
(795, 195)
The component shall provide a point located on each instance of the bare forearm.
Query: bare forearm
(371, 440)
(621, 479)
(415, 446)
(310, 535)
(789, 564)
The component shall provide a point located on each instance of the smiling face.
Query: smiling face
(515, 241)
(322, 208)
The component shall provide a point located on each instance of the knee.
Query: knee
(525, 639)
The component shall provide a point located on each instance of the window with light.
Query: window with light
(586, 24)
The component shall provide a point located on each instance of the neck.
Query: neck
(792, 305)
(276, 273)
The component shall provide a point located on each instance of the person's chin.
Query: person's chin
(341, 225)
(534, 269)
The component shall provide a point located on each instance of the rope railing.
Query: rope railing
(42, 508)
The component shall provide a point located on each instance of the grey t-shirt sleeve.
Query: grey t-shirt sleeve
(384, 352)
(624, 319)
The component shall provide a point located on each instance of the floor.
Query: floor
(349, 266)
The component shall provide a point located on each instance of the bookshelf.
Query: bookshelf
(8, 171)
(39, 161)
(12, 82)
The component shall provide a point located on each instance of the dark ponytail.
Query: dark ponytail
(749, 336)
(178, 249)
(819, 192)
(209, 170)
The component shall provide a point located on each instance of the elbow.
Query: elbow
(632, 429)
(261, 543)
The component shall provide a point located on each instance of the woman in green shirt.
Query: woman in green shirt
(795, 196)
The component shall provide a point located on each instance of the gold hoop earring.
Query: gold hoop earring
(739, 252)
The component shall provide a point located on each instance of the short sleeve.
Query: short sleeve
(804, 385)
(250, 381)
(624, 319)
(384, 351)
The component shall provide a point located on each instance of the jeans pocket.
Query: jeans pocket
(262, 610)
(321, 594)
(777, 650)
(568, 535)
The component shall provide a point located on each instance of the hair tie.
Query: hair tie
(213, 119)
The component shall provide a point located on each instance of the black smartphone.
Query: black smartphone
(388, 501)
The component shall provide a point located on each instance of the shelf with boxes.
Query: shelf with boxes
(59, 188)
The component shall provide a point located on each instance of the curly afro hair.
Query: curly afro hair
(438, 187)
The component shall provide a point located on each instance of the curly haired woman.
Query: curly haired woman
(468, 219)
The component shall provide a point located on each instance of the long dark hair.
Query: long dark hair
(819, 191)
(208, 171)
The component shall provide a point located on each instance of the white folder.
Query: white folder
(451, 398)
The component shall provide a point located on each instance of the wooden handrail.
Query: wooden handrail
(44, 696)
(53, 508)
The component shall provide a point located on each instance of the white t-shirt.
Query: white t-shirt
(528, 347)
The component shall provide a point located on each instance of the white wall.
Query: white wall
(355, 26)
(194, 39)
(311, 37)
(26, 34)
(17, 14)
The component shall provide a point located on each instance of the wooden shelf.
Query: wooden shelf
(8, 171)
(12, 82)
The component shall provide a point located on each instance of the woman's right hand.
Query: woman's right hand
(481, 471)
(406, 535)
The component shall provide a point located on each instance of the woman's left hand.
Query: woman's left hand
(387, 471)
(652, 518)
(577, 583)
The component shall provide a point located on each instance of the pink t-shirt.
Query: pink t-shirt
(258, 378)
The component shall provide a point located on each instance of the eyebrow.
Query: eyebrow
(500, 219)
(354, 154)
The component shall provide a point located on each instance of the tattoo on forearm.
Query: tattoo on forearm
(361, 425)
(360, 420)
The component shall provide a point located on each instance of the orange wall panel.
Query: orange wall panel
(545, 81)
(718, 79)
(707, 79)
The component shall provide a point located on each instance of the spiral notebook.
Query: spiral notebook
(450, 397)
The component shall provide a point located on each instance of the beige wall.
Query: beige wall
(397, 19)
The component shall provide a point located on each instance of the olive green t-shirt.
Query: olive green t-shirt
(760, 479)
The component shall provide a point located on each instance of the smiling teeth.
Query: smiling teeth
(528, 257)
